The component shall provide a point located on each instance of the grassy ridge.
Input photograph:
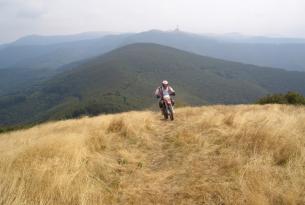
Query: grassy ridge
(209, 155)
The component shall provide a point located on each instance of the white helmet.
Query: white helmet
(165, 83)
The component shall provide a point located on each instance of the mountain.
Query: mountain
(34, 60)
(279, 54)
(56, 55)
(56, 39)
(125, 79)
(239, 38)
(246, 154)
(50, 51)
(56, 51)
(15, 79)
(2, 46)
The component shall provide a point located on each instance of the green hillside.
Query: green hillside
(16, 79)
(125, 79)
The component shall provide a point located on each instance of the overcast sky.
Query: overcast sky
(251, 17)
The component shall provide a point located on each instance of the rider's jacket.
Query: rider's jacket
(161, 91)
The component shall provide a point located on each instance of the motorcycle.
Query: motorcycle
(168, 109)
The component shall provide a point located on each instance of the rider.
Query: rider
(165, 88)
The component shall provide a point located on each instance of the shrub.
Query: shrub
(293, 98)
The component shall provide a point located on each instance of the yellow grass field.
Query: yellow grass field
(245, 154)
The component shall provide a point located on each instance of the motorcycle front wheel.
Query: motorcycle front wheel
(165, 114)
(171, 112)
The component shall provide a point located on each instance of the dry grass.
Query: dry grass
(209, 155)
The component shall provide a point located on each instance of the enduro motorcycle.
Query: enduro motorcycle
(168, 109)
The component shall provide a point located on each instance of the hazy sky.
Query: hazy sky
(47, 17)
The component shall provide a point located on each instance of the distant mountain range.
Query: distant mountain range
(55, 51)
(28, 64)
(269, 52)
(125, 78)
(239, 38)
(34, 58)
(49, 40)
(44, 54)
